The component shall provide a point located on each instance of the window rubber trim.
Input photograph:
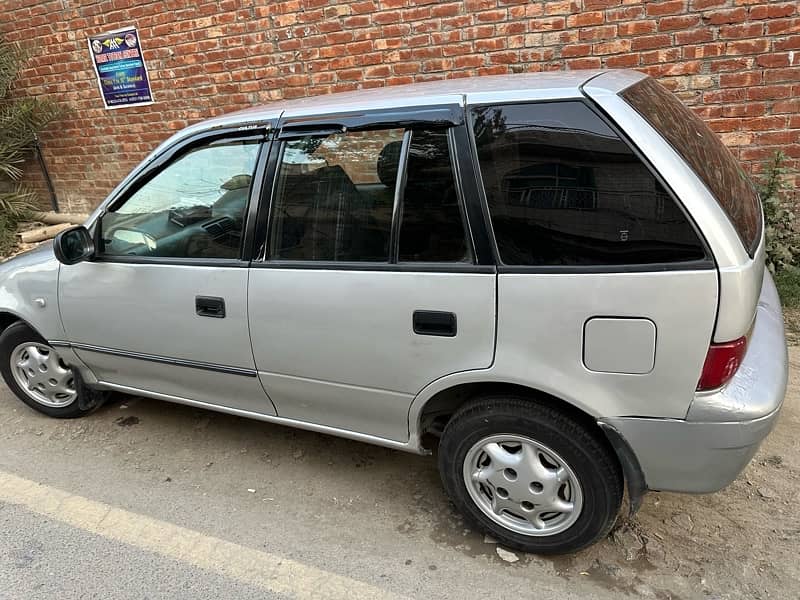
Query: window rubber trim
(405, 267)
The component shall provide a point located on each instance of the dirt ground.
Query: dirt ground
(742, 542)
(380, 516)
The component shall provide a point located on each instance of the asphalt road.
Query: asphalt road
(145, 499)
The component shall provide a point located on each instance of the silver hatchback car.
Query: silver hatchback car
(554, 280)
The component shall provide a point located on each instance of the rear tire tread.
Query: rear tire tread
(587, 452)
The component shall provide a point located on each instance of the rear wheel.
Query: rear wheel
(39, 377)
(530, 475)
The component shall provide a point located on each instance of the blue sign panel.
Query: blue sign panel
(120, 68)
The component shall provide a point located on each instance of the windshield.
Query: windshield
(705, 153)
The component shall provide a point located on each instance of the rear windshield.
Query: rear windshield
(705, 153)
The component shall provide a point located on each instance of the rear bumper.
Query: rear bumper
(724, 428)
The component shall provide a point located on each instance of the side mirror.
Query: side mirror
(74, 245)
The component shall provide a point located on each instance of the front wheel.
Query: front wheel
(530, 475)
(37, 375)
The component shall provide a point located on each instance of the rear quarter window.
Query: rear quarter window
(564, 190)
(704, 152)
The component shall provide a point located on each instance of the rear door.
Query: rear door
(368, 286)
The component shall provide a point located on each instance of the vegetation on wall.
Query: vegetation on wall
(20, 121)
(782, 238)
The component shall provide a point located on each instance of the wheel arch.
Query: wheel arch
(8, 318)
(430, 414)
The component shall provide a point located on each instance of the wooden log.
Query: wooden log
(43, 233)
(54, 218)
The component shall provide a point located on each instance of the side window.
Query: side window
(564, 189)
(432, 227)
(334, 197)
(193, 208)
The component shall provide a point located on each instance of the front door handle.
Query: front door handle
(210, 306)
(434, 322)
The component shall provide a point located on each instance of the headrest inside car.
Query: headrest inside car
(388, 160)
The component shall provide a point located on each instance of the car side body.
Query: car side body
(386, 351)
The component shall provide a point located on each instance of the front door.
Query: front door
(163, 308)
(368, 288)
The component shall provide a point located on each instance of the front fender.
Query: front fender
(29, 291)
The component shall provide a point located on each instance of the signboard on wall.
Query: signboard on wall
(119, 65)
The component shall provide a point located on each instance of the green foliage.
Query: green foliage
(20, 121)
(788, 284)
(782, 239)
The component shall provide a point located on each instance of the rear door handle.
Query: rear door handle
(434, 322)
(210, 306)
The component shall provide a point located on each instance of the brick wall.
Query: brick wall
(737, 62)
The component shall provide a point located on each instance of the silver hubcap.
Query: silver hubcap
(522, 485)
(42, 375)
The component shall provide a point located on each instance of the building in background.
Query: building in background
(736, 62)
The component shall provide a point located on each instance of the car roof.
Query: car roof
(473, 90)
(521, 87)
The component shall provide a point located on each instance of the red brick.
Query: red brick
(651, 41)
(774, 60)
(462, 62)
(746, 30)
(705, 4)
(613, 47)
(583, 63)
(576, 50)
(547, 24)
(731, 64)
(695, 36)
(637, 27)
(503, 57)
(624, 61)
(450, 9)
(764, 123)
(773, 11)
(670, 7)
(627, 13)
(704, 50)
(490, 44)
(600, 4)
(789, 43)
(790, 74)
(598, 33)
(747, 47)
(740, 79)
(490, 16)
(585, 19)
(749, 109)
(783, 26)
(678, 22)
(721, 17)
(769, 92)
(787, 106)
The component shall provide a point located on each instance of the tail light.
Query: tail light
(722, 362)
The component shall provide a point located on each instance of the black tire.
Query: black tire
(586, 452)
(86, 401)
